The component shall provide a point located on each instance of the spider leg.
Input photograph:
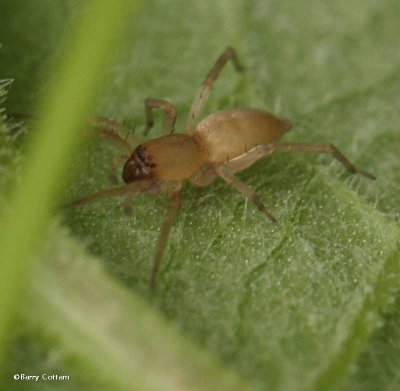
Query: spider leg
(131, 189)
(205, 89)
(322, 148)
(245, 190)
(105, 127)
(226, 171)
(169, 219)
(265, 150)
(169, 118)
(108, 129)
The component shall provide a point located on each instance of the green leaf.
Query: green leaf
(291, 305)
(377, 367)
(314, 282)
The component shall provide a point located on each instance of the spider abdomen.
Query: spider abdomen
(227, 134)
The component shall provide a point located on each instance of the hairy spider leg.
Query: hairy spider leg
(108, 129)
(227, 170)
(261, 151)
(169, 219)
(169, 117)
(131, 189)
(205, 89)
(245, 190)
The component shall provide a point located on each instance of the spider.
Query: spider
(220, 145)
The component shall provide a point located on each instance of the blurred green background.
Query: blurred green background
(308, 303)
